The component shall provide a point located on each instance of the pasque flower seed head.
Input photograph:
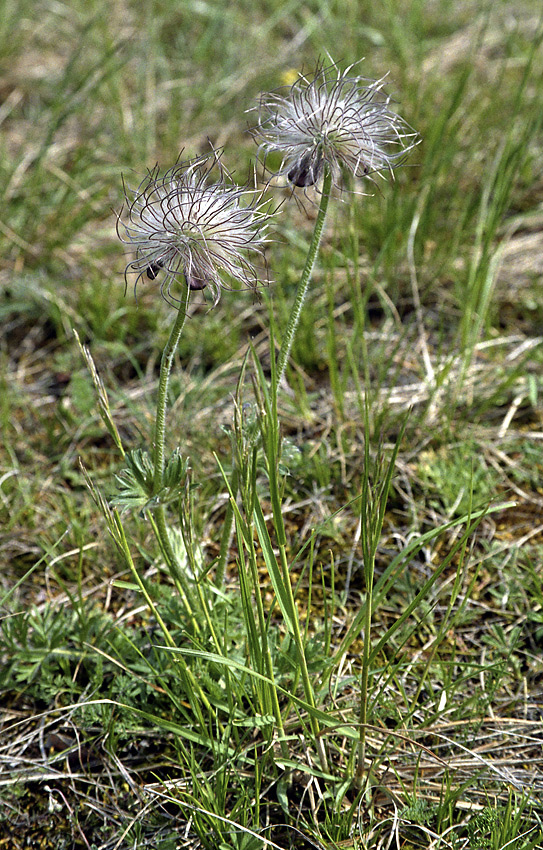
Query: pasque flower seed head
(182, 226)
(331, 120)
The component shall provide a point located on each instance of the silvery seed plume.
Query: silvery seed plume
(332, 120)
(183, 227)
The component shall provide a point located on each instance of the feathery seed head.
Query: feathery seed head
(332, 120)
(188, 228)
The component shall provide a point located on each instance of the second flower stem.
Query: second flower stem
(165, 370)
(160, 425)
(303, 285)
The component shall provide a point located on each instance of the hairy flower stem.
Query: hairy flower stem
(303, 285)
(160, 425)
(284, 354)
(165, 370)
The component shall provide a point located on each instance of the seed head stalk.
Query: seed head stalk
(160, 421)
(303, 285)
(165, 370)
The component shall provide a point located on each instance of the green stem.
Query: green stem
(193, 688)
(165, 370)
(160, 425)
(303, 285)
(160, 528)
(283, 357)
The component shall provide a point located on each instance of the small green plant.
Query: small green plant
(504, 825)
(459, 476)
(50, 651)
